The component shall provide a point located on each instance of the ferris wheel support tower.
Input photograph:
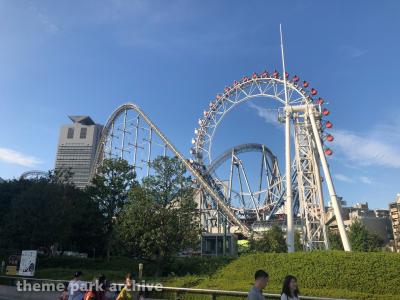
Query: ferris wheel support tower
(308, 111)
(288, 166)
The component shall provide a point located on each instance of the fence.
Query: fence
(177, 293)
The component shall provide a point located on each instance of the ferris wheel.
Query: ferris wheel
(266, 85)
(289, 98)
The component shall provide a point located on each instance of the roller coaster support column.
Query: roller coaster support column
(331, 189)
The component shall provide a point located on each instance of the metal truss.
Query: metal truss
(287, 95)
(34, 175)
(131, 135)
(309, 185)
(251, 202)
(263, 85)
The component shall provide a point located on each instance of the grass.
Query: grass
(331, 274)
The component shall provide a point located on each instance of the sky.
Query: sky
(60, 58)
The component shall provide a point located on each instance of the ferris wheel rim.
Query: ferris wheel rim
(304, 95)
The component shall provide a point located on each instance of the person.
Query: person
(290, 289)
(110, 293)
(92, 293)
(102, 282)
(76, 287)
(64, 294)
(127, 292)
(260, 282)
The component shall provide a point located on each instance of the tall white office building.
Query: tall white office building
(77, 148)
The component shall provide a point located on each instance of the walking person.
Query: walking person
(261, 279)
(127, 293)
(76, 287)
(64, 294)
(290, 289)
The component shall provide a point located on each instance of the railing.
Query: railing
(177, 292)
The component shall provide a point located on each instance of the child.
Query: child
(64, 294)
(127, 292)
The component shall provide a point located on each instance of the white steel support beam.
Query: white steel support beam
(329, 182)
(289, 199)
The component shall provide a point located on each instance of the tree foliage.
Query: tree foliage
(272, 240)
(160, 219)
(363, 240)
(109, 189)
(335, 242)
(169, 181)
(298, 246)
(41, 213)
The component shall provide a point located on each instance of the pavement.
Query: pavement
(11, 293)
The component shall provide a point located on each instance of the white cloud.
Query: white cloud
(44, 20)
(351, 51)
(375, 148)
(17, 158)
(270, 116)
(344, 178)
(365, 179)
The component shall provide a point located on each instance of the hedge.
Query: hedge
(329, 273)
(64, 267)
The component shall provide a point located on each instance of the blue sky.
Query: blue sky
(60, 58)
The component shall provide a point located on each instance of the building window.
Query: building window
(70, 134)
(83, 133)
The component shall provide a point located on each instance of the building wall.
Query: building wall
(376, 221)
(394, 209)
(77, 150)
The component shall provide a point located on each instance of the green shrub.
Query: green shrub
(334, 273)
(64, 267)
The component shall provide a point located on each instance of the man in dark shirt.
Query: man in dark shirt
(261, 280)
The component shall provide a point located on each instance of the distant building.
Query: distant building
(212, 244)
(376, 221)
(394, 209)
(77, 148)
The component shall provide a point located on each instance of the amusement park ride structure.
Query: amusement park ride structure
(131, 135)
(34, 175)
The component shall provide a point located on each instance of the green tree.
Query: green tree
(362, 240)
(272, 240)
(335, 242)
(160, 220)
(298, 246)
(44, 212)
(109, 189)
(169, 181)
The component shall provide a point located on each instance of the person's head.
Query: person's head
(290, 287)
(77, 274)
(101, 281)
(129, 280)
(102, 278)
(261, 279)
(65, 286)
(93, 286)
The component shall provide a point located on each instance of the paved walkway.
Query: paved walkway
(11, 293)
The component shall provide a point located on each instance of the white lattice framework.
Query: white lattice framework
(306, 167)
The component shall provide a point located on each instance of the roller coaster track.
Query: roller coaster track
(203, 179)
